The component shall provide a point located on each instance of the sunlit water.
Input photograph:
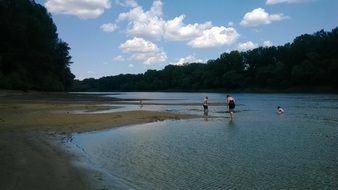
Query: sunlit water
(259, 149)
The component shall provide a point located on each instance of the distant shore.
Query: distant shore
(306, 90)
(31, 125)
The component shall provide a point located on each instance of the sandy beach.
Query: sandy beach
(32, 126)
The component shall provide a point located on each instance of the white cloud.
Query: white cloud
(267, 43)
(200, 35)
(187, 60)
(215, 36)
(175, 30)
(272, 2)
(143, 50)
(108, 27)
(131, 65)
(150, 58)
(127, 3)
(259, 17)
(119, 58)
(145, 24)
(137, 45)
(151, 25)
(85, 9)
(247, 46)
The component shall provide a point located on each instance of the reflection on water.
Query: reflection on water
(259, 149)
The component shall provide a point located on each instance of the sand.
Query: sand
(32, 126)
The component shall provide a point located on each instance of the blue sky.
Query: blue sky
(111, 37)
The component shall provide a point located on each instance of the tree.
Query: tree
(32, 57)
(310, 61)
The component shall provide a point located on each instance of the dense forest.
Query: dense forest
(32, 57)
(310, 63)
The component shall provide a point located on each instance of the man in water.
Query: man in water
(231, 106)
(205, 105)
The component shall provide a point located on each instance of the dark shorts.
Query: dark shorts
(231, 106)
(205, 107)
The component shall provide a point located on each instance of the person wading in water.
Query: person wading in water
(231, 106)
(205, 105)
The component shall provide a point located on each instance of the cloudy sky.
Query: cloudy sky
(111, 37)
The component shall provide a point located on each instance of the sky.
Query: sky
(112, 37)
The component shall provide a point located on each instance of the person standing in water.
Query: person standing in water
(141, 104)
(231, 106)
(205, 105)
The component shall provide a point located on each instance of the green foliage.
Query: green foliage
(311, 61)
(32, 57)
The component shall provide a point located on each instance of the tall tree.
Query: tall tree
(310, 61)
(31, 54)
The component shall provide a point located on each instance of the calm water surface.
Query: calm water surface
(260, 149)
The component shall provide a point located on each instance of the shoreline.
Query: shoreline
(34, 160)
(32, 126)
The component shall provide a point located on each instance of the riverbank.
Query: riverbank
(32, 126)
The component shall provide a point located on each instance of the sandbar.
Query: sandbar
(32, 125)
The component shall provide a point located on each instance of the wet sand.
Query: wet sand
(32, 126)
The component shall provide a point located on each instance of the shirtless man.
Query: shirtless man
(205, 105)
(231, 106)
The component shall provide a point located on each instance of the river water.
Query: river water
(259, 149)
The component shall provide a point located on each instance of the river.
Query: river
(258, 149)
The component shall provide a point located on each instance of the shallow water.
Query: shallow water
(260, 149)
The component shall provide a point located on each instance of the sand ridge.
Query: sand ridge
(31, 125)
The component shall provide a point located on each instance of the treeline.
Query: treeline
(309, 62)
(32, 57)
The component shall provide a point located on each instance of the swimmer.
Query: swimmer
(280, 110)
